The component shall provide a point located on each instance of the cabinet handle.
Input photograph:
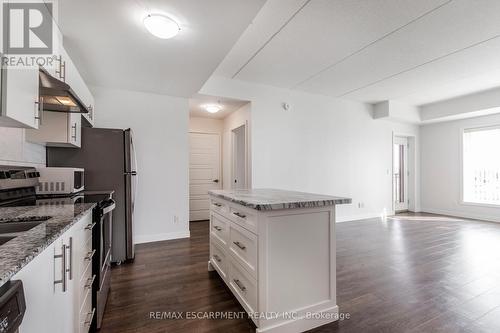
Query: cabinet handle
(64, 71)
(59, 71)
(240, 285)
(241, 246)
(90, 226)
(70, 248)
(73, 136)
(62, 281)
(217, 228)
(240, 215)
(39, 111)
(90, 282)
(89, 255)
(90, 316)
(216, 257)
(91, 112)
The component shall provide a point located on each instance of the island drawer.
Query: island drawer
(218, 259)
(243, 247)
(243, 286)
(219, 206)
(219, 228)
(243, 217)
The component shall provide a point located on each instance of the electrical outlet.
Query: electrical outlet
(361, 205)
(176, 219)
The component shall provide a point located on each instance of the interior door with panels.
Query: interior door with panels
(204, 172)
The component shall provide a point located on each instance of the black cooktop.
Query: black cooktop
(26, 197)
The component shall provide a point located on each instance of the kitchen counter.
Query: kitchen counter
(18, 252)
(271, 199)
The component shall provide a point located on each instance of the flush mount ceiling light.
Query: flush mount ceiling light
(212, 108)
(161, 26)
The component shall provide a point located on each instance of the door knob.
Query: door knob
(215, 180)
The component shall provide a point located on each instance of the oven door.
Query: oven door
(78, 181)
(105, 245)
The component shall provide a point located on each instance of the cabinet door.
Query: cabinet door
(21, 98)
(75, 80)
(39, 290)
(75, 129)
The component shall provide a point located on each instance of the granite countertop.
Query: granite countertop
(271, 199)
(18, 252)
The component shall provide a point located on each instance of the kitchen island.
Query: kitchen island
(275, 250)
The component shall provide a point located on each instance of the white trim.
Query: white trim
(411, 169)
(247, 151)
(141, 239)
(454, 213)
(350, 218)
(463, 130)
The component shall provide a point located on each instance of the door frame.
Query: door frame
(221, 185)
(411, 171)
(247, 158)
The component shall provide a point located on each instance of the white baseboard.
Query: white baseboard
(461, 214)
(356, 217)
(140, 239)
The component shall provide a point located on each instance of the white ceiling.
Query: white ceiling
(228, 106)
(111, 47)
(413, 51)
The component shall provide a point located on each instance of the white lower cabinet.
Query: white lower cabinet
(58, 287)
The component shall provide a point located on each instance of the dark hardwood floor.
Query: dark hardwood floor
(409, 273)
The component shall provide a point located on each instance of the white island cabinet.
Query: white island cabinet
(275, 250)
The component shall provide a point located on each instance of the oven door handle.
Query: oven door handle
(109, 208)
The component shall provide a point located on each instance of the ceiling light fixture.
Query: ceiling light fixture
(212, 108)
(161, 26)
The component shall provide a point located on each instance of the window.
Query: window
(481, 166)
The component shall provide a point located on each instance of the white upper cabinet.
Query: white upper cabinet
(19, 93)
(20, 107)
(74, 79)
(58, 129)
(19, 99)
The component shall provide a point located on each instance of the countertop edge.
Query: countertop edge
(23, 262)
(285, 205)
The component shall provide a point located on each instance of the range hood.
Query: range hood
(58, 96)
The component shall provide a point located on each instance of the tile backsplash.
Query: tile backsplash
(15, 150)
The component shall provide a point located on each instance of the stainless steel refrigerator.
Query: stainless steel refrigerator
(109, 160)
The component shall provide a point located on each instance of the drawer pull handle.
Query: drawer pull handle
(217, 228)
(241, 246)
(89, 255)
(217, 204)
(240, 215)
(90, 316)
(216, 257)
(240, 285)
(90, 282)
(90, 226)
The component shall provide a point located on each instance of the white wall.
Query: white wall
(14, 150)
(206, 125)
(441, 170)
(160, 125)
(322, 145)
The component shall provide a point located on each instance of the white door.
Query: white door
(400, 173)
(204, 172)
